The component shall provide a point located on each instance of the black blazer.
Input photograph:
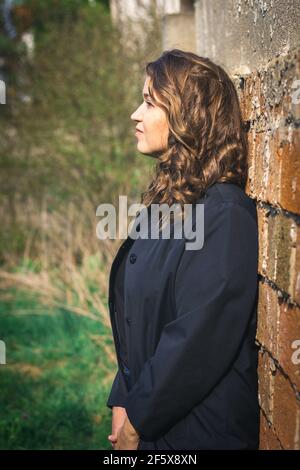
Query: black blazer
(191, 320)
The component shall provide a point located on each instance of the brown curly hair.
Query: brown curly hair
(207, 140)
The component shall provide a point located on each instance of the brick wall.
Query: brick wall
(269, 104)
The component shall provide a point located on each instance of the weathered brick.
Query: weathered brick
(288, 333)
(274, 167)
(284, 181)
(268, 97)
(286, 413)
(270, 102)
(266, 384)
(277, 330)
(268, 439)
(267, 321)
(279, 251)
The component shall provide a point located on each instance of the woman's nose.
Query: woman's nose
(136, 115)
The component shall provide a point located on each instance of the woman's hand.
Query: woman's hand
(127, 438)
(118, 417)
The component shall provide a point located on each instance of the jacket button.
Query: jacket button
(110, 304)
(128, 320)
(132, 258)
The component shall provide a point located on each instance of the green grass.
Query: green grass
(52, 395)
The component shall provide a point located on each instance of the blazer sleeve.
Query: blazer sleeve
(214, 291)
(119, 391)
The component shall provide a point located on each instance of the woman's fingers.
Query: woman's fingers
(113, 440)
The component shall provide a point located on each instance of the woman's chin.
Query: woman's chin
(147, 151)
(143, 149)
(148, 154)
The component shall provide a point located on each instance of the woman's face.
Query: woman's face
(151, 126)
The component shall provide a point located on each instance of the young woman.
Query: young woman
(184, 320)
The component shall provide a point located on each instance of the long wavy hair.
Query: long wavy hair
(207, 140)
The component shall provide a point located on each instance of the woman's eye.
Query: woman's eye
(148, 103)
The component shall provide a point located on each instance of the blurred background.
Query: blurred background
(71, 74)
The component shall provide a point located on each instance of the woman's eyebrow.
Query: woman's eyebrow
(146, 95)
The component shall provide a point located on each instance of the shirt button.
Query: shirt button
(132, 258)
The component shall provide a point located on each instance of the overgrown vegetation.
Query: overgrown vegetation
(66, 145)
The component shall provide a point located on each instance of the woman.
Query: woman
(184, 320)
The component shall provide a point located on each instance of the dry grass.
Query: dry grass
(67, 267)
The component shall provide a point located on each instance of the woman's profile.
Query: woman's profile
(184, 321)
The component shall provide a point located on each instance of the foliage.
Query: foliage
(66, 134)
(54, 385)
